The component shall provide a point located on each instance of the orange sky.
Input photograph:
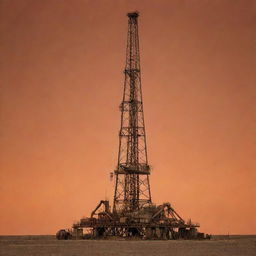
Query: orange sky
(61, 66)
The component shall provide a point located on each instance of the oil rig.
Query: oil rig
(133, 214)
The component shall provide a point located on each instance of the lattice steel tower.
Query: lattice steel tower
(133, 214)
(132, 188)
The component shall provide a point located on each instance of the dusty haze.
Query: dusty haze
(61, 84)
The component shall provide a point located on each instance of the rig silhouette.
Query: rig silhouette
(133, 214)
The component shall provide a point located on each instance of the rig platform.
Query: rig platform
(133, 214)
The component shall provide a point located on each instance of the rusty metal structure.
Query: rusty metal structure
(133, 214)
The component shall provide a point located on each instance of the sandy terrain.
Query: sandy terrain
(47, 245)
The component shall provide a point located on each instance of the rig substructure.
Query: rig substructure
(133, 214)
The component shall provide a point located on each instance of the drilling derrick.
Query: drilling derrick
(133, 214)
(132, 189)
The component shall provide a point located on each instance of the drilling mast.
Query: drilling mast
(133, 213)
(132, 188)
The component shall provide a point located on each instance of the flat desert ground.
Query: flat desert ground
(48, 245)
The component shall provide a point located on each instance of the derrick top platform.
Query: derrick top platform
(133, 14)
